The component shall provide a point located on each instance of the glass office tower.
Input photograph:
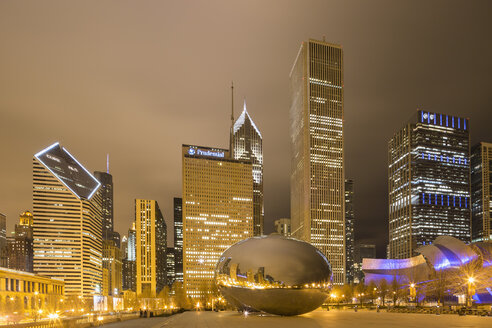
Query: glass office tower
(317, 176)
(429, 182)
(349, 230)
(178, 238)
(106, 191)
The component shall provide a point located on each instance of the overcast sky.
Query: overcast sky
(136, 79)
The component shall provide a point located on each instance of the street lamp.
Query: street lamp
(470, 291)
(413, 292)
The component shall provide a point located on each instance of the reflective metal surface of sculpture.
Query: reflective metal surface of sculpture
(274, 274)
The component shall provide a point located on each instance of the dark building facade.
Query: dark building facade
(362, 251)
(349, 230)
(3, 241)
(129, 275)
(106, 191)
(429, 182)
(20, 247)
(481, 185)
(170, 266)
(178, 238)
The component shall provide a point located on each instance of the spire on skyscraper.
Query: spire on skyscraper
(107, 163)
(232, 120)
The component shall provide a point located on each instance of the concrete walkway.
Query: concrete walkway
(316, 319)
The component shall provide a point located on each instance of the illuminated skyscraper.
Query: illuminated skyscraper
(106, 191)
(67, 222)
(217, 211)
(247, 145)
(349, 230)
(132, 243)
(3, 240)
(151, 244)
(429, 182)
(113, 263)
(20, 250)
(178, 238)
(170, 266)
(317, 176)
(129, 262)
(481, 185)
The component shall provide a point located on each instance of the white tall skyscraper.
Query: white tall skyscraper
(67, 227)
(317, 176)
(247, 144)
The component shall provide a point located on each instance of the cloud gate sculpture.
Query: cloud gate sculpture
(274, 274)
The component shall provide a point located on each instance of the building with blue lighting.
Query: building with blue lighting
(67, 228)
(428, 182)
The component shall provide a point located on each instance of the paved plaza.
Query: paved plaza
(316, 319)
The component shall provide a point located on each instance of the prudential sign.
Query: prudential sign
(207, 153)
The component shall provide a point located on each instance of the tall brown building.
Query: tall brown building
(317, 169)
(151, 245)
(112, 261)
(481, 185)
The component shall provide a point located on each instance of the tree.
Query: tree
(180, 299)
(395, 290)
(130, 300)
(372, 291)
(383, 289)
(348, 292)
(164, 295)
(361, 292)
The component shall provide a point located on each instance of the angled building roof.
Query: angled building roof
(242, 118)
(68, 170)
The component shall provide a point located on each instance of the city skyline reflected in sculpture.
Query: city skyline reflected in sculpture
(274, 274)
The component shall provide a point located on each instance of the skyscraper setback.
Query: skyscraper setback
(67, 222)
(247, 145)
(429, 182)
(317, 176)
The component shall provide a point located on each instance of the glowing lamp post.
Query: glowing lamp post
(413, 292)
(470, 291)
